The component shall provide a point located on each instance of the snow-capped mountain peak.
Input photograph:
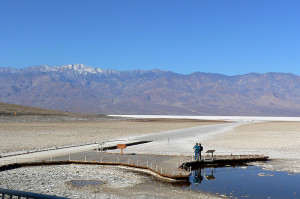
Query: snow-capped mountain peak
(81, 69)
(76, 70)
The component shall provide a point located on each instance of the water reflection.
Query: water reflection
(211, 176)
(245, 181)
(197, 176)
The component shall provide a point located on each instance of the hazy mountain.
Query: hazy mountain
(79, 88)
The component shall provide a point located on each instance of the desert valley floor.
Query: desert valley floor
(279, 140)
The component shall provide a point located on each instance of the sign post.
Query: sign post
(121, 146)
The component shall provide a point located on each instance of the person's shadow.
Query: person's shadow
(197, 177)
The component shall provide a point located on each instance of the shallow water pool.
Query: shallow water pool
(245, 182)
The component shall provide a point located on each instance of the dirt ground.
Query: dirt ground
(29, 135)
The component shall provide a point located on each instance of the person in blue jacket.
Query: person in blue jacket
(197, 150)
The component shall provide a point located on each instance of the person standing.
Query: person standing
(196, 148)
(200, 150)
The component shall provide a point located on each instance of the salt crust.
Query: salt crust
(118, 182)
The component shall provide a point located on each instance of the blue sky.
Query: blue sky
(220, 36)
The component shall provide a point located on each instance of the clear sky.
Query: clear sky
(220, 36)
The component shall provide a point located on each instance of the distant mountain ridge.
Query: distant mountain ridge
(79, 88)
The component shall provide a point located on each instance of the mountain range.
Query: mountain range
(83, 89)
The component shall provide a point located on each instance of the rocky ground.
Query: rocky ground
(118, 182)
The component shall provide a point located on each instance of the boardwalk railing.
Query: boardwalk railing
(11, 194)
(104, 159)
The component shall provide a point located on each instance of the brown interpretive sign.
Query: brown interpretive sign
(121, 146)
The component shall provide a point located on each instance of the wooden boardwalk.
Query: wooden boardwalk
(166, 167)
